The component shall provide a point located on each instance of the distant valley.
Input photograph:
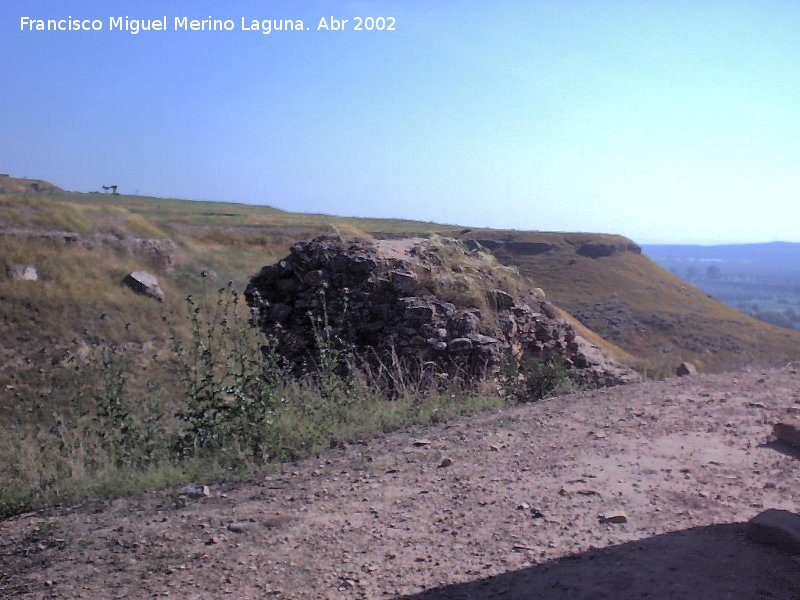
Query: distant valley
(762, 280)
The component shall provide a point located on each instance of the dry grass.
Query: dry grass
(55, 214)
(89, 431)
(236, 240)
(664, 320)
(78, 301)
(15, 185)
(167, 213)
(469, 278)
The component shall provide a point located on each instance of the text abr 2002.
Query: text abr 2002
(374, 24)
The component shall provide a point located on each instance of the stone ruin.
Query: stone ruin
(431, 302)
(158, 252)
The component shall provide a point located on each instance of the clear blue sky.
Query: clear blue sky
(664, 121)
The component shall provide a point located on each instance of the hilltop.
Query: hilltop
(17, 185)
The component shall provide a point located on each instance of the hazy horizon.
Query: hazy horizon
(669, 124)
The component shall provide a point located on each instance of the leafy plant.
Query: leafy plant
(533, 379)
(229, 379)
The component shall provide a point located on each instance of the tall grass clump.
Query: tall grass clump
(87, 432)
(469, 278)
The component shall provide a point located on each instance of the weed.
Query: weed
(533, 379)
(229, 379)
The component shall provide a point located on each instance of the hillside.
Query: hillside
(17, 185)
(630, 300)
(83, 244)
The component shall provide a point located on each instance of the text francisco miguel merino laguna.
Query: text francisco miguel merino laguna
(135, 26)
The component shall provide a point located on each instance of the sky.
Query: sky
(667, 122)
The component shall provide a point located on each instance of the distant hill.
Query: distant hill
(762, 280)
(774, 258)
(15, 185)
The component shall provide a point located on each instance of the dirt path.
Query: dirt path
(516, 515)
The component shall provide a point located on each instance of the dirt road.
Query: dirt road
(514, 504)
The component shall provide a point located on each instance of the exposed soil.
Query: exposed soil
(514, 513)
(398, 248)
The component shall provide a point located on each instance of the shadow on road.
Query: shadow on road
(709, 563)
(782, 448)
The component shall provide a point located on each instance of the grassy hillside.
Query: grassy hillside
(638, 305)
(82, 245)
(624, 297)
(16, 185)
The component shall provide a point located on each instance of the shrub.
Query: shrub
(229, 378)
(533, 379)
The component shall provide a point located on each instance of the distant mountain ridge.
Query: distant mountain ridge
(771, 257)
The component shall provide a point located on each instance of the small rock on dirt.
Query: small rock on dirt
(243, 526)
(686, 368)
(778, 528)
(616, 516)
(22, 272)
(195, 492)
(446, 462)
(577, 487)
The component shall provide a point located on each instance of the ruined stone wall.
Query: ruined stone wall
(378, 299)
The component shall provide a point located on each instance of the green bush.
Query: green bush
(229, 380)
(532, 379)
